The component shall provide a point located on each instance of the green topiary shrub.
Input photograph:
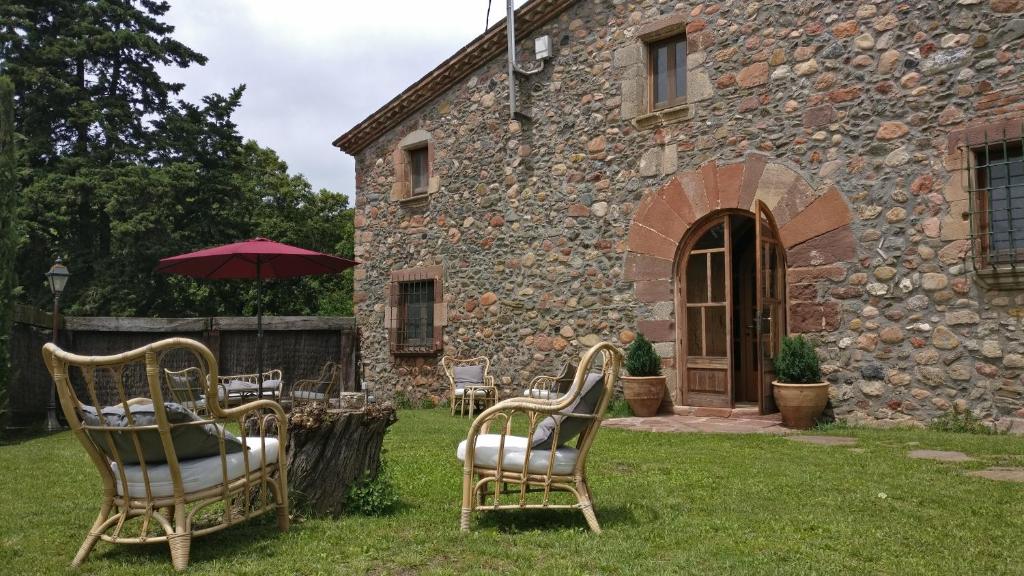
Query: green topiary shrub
(641, 359)
(797, 362)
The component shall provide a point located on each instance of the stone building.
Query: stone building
(713, 175)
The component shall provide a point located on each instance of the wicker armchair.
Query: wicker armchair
(168, 475)
(552, 387)
(469, 383)
(318, 389)
(542, 462)
(237, 388)
(187, 387)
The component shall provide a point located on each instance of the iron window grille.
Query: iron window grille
(995, 185)
(416, 316)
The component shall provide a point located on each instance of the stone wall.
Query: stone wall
(540, 224)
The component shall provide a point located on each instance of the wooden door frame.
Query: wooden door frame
(690, 238)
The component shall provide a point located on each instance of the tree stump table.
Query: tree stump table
(330, 450)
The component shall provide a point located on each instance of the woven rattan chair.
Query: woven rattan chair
(538, 464)
(462, 393)
(167, 474)
(317, 389)
(551, 387)
(236, 388)
(187, 387)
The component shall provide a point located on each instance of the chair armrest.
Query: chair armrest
(307, 384)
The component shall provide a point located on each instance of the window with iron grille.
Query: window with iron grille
(416, 313)
(997, 201)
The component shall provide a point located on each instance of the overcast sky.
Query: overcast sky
(315, 68)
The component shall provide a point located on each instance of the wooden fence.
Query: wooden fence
(298, 345)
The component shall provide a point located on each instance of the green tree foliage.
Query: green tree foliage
(8, 232)
(121, 175)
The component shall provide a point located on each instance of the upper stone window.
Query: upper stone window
(419, 170)
(998, 204)
(667, 61)
(414, 174)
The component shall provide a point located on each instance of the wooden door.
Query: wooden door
(770, 315)
(705, 280)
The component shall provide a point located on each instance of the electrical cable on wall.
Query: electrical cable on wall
(487, 22)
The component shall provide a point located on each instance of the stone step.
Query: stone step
(739, 412)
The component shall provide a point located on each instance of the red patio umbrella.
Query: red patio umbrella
(258, 258)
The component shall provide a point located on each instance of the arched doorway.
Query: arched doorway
(730, 278)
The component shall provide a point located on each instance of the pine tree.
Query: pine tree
(8, 232)
(119, 174)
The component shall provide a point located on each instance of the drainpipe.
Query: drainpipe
(513, 67)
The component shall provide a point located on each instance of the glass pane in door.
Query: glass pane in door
(697, 279)
(694, 332)
(715, 332)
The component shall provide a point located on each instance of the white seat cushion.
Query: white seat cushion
(515, 453)
(476, 392)
(196, 474)
(308, 395)
(542, 394)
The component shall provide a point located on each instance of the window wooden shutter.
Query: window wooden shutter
(440, 313)
(392, 316)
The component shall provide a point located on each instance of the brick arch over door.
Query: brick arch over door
(814, 225)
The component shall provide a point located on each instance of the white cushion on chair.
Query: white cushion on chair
(196, 474)
(308, 395)
(515, 452)
(542, 394)
(477, 392)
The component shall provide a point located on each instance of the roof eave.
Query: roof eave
(529, 17)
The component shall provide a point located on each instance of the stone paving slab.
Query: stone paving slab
(940, 455)
(1002, 474)
(677, 423)
(825, 440)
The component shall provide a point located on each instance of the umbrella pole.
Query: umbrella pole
(259, 328)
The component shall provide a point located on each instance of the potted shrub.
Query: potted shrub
(799, 391)
(645, 386)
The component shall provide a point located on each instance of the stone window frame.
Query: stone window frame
(965, 149)
(402, 190)
(649, 36)
(394, 313)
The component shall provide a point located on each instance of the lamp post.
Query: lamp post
(57, 276)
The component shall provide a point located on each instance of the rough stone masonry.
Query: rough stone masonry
(560, 231)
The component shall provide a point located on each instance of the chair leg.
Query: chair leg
(180, 541)
(467, 500)
(93, 536)
(587, 507)
(281, 502)
(180, 544)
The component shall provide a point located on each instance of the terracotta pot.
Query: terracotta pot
(643, 393)
(800, 404)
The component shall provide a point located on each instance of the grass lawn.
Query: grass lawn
(668, 503)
